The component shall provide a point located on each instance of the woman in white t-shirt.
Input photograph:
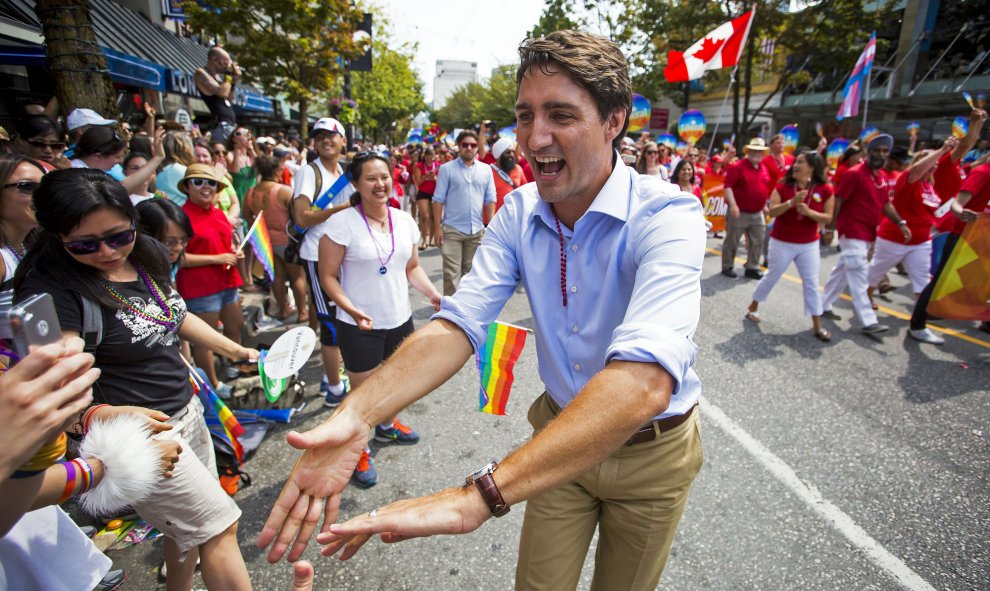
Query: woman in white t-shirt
(371, 247)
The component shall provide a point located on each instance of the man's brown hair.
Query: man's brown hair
(593, 63)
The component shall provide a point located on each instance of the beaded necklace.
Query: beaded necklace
(18, 253)
(563, 259)
(378, 250)
(166, 318)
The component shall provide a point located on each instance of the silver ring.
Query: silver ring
(373, 513)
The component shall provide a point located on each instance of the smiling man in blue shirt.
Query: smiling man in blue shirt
(611, 262)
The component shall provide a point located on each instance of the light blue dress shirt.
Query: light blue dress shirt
(633, 282)
(464, 191)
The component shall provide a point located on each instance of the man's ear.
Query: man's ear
(614, 124)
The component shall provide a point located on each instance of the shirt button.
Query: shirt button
(573, 289)
(574, 328)
(574, 247)
(577, 367)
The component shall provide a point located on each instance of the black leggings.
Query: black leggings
(919, 318)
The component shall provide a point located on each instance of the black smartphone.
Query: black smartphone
(34, 322)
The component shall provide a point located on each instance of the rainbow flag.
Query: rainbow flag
(217, 413)
(261, 242)
(963, 288)
(495, 362)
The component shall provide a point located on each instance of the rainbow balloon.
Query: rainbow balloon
(681, 148)
(415, 136)
(791, 135)
(868, 134)
(969, 100)
(835, 150)
(668, 140)
(639, 117)
(691, 126)
(913, 128)
(960, 127)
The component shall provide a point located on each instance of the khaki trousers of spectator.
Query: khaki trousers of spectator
(754, 226)
(458, 252)
(635, 497)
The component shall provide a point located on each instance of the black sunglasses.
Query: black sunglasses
(26, 187)
(115, 240)
(56, 146)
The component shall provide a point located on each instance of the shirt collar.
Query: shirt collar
(612, 200)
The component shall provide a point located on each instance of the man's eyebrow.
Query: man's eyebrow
(547, 105)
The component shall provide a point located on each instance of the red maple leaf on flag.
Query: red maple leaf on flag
(709, 47)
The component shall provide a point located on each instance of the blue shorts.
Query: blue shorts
(212, 303)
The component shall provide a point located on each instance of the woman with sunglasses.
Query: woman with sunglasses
(208, 280)
(19, 176)
(226, 198)
(800, 204)
(372, 248)
(40, 138)
(649, 162)
(88, 247)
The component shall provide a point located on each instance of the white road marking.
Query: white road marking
(894, 566)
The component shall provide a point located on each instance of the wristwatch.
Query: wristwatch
(489, 490)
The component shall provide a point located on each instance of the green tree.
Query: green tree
(463, 107)
(499, 100)
(390, 93)
(291, 48)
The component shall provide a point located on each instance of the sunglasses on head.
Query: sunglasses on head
(26, 187)
(115, 240)
(56, 146)
(198, 182)
(365, 154)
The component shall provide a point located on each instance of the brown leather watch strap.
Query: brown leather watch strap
(489, 492)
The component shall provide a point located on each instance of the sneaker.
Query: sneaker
(754, 274)
(365, 475)
(330, 399)
(111, 581)
(831, 315)
(397, 433)
(875, 328)
(730, 273)
(925, 335)
(224, 391)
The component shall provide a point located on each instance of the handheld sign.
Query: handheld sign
(289, 352)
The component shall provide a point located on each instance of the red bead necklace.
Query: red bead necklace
(563, 259)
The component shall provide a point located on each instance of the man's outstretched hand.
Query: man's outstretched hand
(331, 451)
(452, 511)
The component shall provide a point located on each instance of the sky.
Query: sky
(469, 30)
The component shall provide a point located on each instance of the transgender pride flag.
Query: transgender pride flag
(860, 74)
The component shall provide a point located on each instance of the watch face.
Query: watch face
(486, 469)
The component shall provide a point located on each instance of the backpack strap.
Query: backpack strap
(317, 179)
(92, 324)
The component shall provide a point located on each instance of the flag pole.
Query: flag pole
(725, 99)
(244, 241)
(866, 104)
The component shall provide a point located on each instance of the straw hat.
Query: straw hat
(201, 171)
(756, 144)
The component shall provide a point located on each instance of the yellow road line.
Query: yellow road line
(888, 311)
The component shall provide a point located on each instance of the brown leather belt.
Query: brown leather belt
(650, 430)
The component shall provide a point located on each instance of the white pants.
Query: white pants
(808, 261)
(851, 269)
(917, 260)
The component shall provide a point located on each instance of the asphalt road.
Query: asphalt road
(861, 464)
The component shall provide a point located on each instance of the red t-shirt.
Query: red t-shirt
(916, 204)
(840, 170)
(777, 169)
(212, 234)
(750, 186)
(948, 179)
(428, 186)
(977, 184)
(793, 227)
(503, 188)
(864, 193)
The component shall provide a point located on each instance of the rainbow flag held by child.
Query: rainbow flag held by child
(496, 359)
(261, 242)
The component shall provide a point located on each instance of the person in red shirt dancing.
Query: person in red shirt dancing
(800, 204)
(747, 187)
(777, 162)
(915, 200)
(861, 198)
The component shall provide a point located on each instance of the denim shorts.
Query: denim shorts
(212, 303)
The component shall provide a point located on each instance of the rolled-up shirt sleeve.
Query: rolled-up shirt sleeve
(443, 181)
(668, 249)
(483, 292)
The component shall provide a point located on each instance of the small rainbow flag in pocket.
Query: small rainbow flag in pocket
(496, 359)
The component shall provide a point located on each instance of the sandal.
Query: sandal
(753, 316)
(823, 335)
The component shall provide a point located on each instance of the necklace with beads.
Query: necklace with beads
(17, 252)
(563, 259)
(166, 318)
(378, 250)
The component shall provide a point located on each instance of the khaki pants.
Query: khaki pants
(635, 497)
(458, 252)
(754, 226)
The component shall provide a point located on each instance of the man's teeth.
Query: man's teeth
(548, 160)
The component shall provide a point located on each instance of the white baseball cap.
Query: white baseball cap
(329, 124)
(266, 140)
(501, 146)
(80, 117)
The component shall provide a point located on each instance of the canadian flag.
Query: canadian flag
(720, 48)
